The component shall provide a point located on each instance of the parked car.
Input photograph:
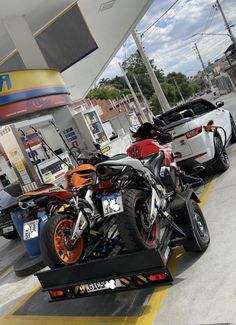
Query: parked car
(194, 147)
(8, 203)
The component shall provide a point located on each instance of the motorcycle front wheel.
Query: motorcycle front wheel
(134, 233)
(56, 247)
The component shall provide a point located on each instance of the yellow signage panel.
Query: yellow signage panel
(21, 85)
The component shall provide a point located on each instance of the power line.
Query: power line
(220, 54)
(159, 18)
(210, 19)
(153, 27)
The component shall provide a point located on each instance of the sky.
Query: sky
(170, 43)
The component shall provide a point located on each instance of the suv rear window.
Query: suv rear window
(188, 111)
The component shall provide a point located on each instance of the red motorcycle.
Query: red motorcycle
(151, 142)
(151, 203)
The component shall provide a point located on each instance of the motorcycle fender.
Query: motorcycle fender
(180, 207)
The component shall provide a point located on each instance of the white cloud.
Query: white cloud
(169, 42)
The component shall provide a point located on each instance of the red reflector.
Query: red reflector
(194, 132)
(57, 293)
(158, 277)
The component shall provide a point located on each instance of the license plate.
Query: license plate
(7, 229)
(112, 204)
(104, 285)
(31, 229)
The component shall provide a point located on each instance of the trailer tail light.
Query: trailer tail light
(194, 132)
(158, 277)
(57, 293)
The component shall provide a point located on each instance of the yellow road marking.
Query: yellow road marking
(205, 194)
(20, 303)
(149, 314)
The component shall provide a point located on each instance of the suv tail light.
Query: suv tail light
(194, 132)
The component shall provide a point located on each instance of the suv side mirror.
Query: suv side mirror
(219, 104)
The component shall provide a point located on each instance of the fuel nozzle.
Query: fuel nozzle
(210, 127)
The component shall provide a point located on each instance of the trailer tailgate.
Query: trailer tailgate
(130, 269)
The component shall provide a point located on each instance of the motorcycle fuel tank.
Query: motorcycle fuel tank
(144, 148)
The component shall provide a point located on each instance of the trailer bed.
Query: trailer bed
(113, 274)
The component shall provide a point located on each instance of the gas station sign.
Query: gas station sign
(13, 111)
(29, 91)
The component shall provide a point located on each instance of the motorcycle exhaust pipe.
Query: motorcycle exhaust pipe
(26, 205)
(104, 172)
(199, 168)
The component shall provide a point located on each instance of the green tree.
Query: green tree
(186, 87)
(103, 82)
(134, 66)
(170, 92)
(155, 105)
(103, 93)
(116, 87)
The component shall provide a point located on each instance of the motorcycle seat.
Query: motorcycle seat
(154, 162)
(126, 161)
(119, 156)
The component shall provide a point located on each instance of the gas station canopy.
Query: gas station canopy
(102, 27)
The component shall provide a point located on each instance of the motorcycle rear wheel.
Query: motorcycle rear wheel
(132, 232)
(56, 248)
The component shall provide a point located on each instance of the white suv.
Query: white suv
(194, 148)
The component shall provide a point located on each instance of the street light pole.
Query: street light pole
(143, 117)
(203, 67)
(217, 4)
(156, 85)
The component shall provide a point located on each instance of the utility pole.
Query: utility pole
(180, 93)
(156, 85)
(143, 97)
(218, 6)
(143, 117)
(203, 67)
